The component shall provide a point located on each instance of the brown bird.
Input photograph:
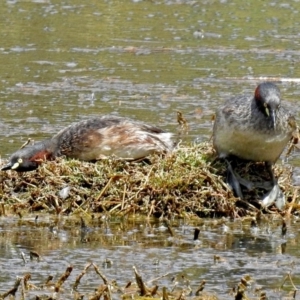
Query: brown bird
(254, 128)
(95, 139)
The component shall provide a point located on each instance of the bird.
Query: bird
(255, 128)
(94, 139)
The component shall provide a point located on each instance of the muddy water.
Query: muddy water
(62, 61)
(175, 261)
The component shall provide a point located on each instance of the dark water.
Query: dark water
(62, 61)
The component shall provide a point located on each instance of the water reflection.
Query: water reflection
(116, 246)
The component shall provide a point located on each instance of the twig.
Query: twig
(13, 290)
(100, 274)
(100, 291)
(144, 183)
(291, 280)
(107, 284)
(291, 205)
(170, 229)
(157, 278)
(77, 281)
(63, 278)
(165, 294)
(288, 276)
(140, 282)
(200, 288)
(79, 208)
(123, 198)
(115, 207)
(111, 179)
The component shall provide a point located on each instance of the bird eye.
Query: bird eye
(20, 160)
(265, 104)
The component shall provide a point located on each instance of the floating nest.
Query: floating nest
(189, 182)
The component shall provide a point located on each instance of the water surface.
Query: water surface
(63, 61)
(177, 262)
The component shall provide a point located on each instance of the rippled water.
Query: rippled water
(171, 261)
(63, 61)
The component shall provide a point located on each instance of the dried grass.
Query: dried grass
(188, 182)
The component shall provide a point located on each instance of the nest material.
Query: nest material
(190, 181)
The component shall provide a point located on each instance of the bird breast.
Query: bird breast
(250, 144)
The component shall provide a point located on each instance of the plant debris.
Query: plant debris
(191, 181)
(109, 289)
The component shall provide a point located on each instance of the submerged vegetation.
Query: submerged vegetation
(189, 182)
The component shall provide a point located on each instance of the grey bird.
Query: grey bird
(255, 128)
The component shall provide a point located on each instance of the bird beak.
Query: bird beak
(273, 118)
(7, 167)
(272, 115)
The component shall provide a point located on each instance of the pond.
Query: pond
(224, 253)
(64, 61)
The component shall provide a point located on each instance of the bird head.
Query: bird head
(28, 158)
(267, 97)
